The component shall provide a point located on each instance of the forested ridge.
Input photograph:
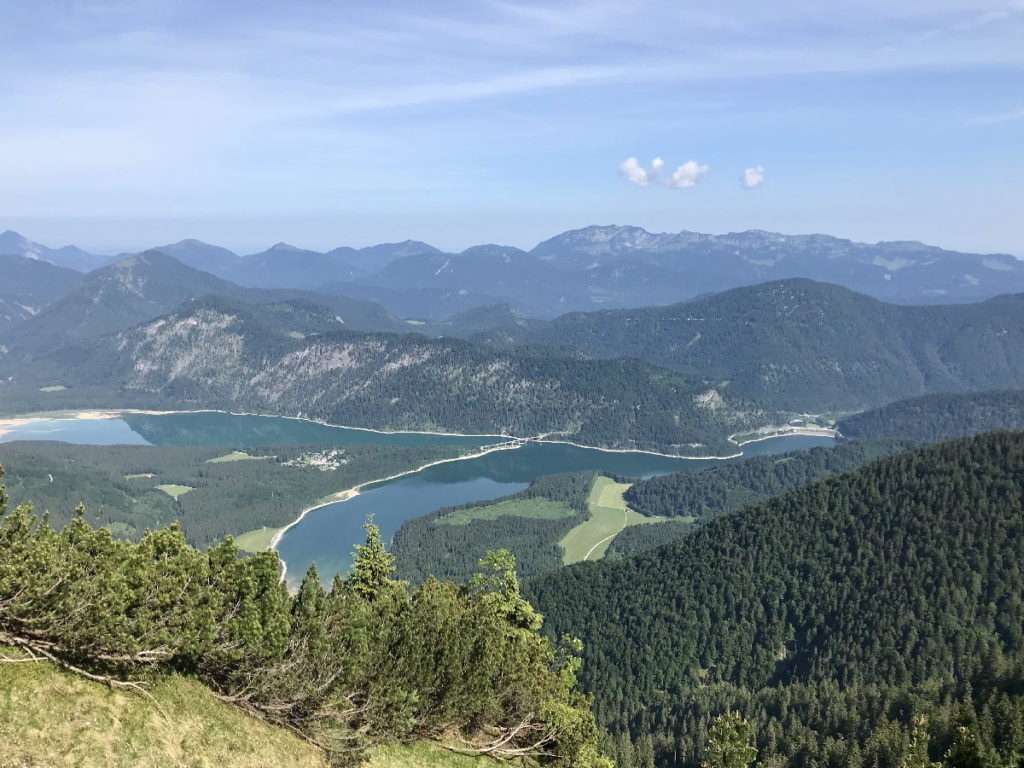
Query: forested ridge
(216, 353)
(427, 546)
(119, 484)
(693, 498)
(831, 617)
(938, 417)
(149, 284)
(731, 486)
(807, 346)
(367, 662)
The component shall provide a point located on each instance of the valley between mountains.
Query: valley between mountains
(382, 530)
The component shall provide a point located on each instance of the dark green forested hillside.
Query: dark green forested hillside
(731, 486)
(711, 492)
(119, 485)
(807, 346)
(831, 616)
(449, 542)
(934, 418)
(433, 545)
(219, 353)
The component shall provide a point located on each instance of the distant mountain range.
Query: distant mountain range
(743, 357)
(798, 344)
(590, 268)
(151, 326)
(69, 257)
(143, 287)
(29, 285)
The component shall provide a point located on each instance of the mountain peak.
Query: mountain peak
(71, 257)
(492, 249)
(604, 232)
(10, 238)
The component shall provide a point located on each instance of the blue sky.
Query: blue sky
(130, 124)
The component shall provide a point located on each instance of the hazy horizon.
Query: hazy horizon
(325, 243)
(508, 121)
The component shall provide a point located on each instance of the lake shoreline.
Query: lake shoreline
(115, 413)
(352, 492)
(788, 431)
(480, 445)
(6, 424)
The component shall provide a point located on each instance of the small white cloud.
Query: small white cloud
(753, 177)
(636, 173)
(632, 170)
(687, 175)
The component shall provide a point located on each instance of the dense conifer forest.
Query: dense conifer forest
(428, 545)
(803, 345)
(721, 489)
(692, 498)
(119, 484)
(934, 418)
(431, 545)
(832, 617)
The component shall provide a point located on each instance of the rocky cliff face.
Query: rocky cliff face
(220, 355)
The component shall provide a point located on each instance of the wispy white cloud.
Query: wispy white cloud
(999, 117)
(637, 173)
(753, 177)
(687, 175)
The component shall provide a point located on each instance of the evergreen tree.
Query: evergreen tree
(969, 751)
(372, 567)
(917, 752)
(729, 743)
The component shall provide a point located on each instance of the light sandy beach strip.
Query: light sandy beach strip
(6, 425)
(769, 433)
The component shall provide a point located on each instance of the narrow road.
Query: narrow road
(602, 541)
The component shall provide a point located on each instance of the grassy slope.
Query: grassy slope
(256, 541)
(49, 717)
(428, 756)
(608, 517)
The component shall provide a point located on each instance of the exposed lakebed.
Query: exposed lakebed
(327, 534)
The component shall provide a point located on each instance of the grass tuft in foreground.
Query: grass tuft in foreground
(49, 717)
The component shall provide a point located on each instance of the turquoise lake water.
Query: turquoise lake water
(327, 535)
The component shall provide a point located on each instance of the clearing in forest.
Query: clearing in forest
(609, 515)
(537, 508)
(256, 541)
(235, 456)
(174, 491)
